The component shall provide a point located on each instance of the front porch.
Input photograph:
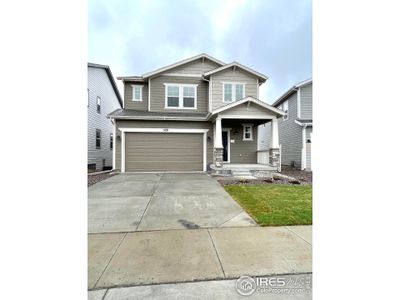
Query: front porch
(235, 141)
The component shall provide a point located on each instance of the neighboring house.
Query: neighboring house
(103, 98)
(193, 115)
(295, 129)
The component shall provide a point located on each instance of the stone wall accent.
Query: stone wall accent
(218, 157)
(274, 157)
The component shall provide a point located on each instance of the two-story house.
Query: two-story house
(103, 98)
(295, 128)
(193, 115)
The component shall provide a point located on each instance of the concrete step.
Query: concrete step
(241, 173)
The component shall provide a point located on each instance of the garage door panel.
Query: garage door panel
(164, 152)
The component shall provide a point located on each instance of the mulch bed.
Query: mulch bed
(298, 174)
(92, 179)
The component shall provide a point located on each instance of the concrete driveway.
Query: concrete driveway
(143, 202)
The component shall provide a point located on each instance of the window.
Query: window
(98, 102)
(137, 92)
(188, 96)
(285, 108)
(182, 96)
(247, 132)
(233, 91)
(98, 139)
(173, 96)
(111, 141)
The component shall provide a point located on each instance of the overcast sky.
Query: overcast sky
(271, 36)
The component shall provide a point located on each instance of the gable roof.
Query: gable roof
(236, 64)
(110, 77)
(182, 62)
(251, 100)
(290, 91)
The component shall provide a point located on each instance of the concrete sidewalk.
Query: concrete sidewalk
(172, 256)
(214, 289)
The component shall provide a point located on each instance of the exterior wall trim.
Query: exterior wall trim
(245, 117)
(303, 148)
(163, 130)
(149, 88)
(299, 103)
(114, 143)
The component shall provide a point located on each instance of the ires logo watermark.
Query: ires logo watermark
(294, 284)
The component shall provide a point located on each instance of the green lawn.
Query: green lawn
(274, 205)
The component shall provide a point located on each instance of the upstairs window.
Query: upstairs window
(111, 141)
(182, 96)
(98, 103)
(233, 91)
(285, 108)
(98, 139)
(137, 92)
(247, 132)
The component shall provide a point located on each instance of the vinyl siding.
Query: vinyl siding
(231, 76)
(290, 135)
(100, 85)
(164, 124)
(244, 152)
(195, 67)
(157, 101)
(306, 102)
(128, 91)
(264, 136)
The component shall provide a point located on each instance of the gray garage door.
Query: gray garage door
(163, 152)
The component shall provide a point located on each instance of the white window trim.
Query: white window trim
(166, 131)
(286, 116)
(181, 86)
(233, 83)
(251, 132)
(133, 92)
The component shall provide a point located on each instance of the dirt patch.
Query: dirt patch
(92, 179)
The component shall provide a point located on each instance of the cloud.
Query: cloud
(272, 37)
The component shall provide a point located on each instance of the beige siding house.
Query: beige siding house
(198, 114)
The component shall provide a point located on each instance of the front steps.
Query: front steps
(242, 174)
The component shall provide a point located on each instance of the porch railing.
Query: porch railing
(263, 157)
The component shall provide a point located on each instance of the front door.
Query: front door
(225, 145)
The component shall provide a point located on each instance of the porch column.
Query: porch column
(274, 151)
(218, 148)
